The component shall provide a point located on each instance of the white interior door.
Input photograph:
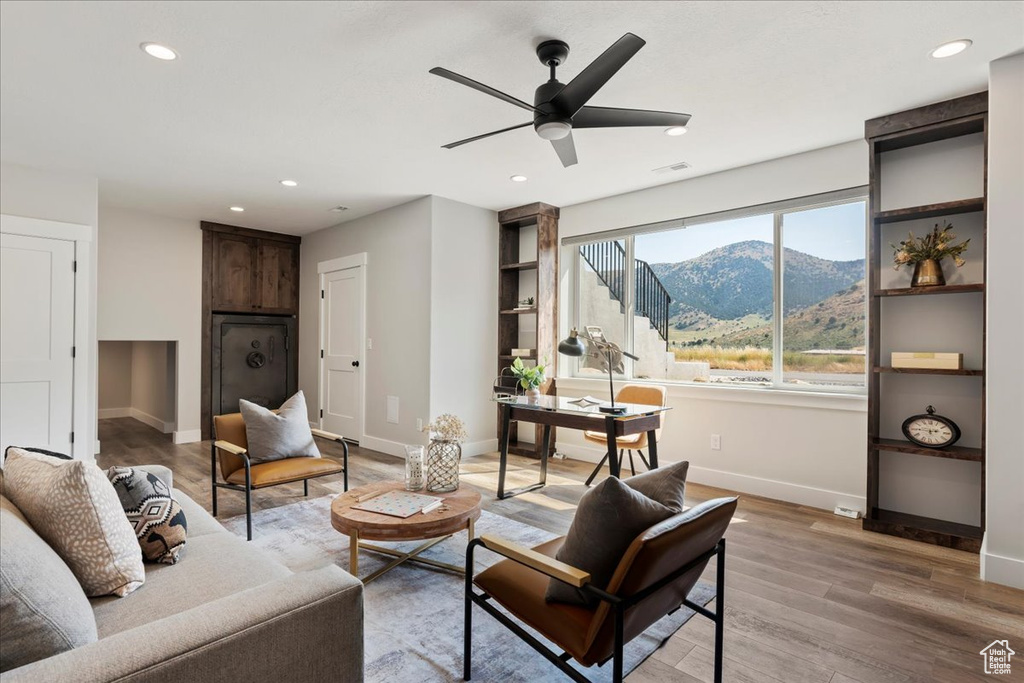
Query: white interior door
(342, 344)
(37, 327)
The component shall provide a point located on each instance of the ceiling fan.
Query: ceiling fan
(558, 108)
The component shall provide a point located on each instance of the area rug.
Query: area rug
(414, 614)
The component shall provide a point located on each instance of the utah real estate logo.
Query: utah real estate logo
(997, 657)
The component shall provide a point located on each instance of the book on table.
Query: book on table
(399, 504)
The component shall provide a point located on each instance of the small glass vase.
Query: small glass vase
(414, 467)
(443, 466)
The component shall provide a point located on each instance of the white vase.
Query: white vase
(533, 394)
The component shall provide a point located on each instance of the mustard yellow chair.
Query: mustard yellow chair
(230, 448)
(645, 394)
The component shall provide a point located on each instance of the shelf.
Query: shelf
(912, 213)
(518, 311)
(938, 531)
(526, 265)
(922, 291)
(931, 371)
(951, 452)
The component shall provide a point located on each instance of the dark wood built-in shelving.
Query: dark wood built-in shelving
(931, 371)
(925, 291)
(924, 125)
(914, 213)
(952, 452)
(511, 222)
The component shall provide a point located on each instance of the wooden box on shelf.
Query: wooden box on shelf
(927, 361)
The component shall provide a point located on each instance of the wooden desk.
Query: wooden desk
(557, 411)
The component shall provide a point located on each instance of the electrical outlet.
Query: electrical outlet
(419, 424)
(716, 442)
(392, 416)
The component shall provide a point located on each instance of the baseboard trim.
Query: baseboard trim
(810, 496)
(1008, 571)
(188, 436)
(111, 413)
(383, 446)
(479, 447)
(154, 422)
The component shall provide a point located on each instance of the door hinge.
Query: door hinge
(72, 351)
(321, 294)
(74, 266)
(321, 413)
(286, 342)
(321, 353)
(72, 437)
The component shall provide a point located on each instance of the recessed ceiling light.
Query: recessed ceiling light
(237, 208)
(289, 183)
(518, 178)
(675, 130)
(953, 47)
(159, 51)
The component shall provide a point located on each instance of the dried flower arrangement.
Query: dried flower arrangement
(448, 427)
(935, 246)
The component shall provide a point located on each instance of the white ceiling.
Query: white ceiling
(337, 95)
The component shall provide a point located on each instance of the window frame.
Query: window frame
(777, 210)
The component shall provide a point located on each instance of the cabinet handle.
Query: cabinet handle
(355, 364)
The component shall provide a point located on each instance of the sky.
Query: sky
(836, 233)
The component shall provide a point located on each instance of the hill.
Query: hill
(734, 281)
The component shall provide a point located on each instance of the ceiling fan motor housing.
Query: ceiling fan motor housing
(550, 124)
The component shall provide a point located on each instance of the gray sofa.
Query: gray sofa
(224, 612)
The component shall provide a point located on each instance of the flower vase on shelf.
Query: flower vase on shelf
(413, 468)
(443, 458)
(928, 273)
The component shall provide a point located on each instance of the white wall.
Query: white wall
(805, 449)
(463, 318)
(153, 383)
(1002, 553)
(68, 198)
(150, 289)
(398, 305)
(115, 378)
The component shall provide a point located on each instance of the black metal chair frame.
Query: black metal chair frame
(619, 605)
(248, 488)
(632, 468)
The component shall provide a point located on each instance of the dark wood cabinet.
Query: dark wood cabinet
(251, 271)
(248, 272)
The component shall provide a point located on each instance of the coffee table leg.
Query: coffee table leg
(353, 553)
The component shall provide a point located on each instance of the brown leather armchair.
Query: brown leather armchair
(646, 394)
(230, 448)
(653, 579)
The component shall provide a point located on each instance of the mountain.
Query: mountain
(736, 280)
(835, 323)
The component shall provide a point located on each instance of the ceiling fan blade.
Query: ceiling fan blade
(451, 145)
(610, 117)
(566, 150)
(578, 92)
(458, 78)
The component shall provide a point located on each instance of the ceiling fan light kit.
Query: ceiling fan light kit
(559, 108)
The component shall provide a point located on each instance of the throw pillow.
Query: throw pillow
(74, 508)
(275, 436)
(43, 610)
(157, 518)
(609, 517)
(665, 484)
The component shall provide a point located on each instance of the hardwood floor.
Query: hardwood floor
(810, 596)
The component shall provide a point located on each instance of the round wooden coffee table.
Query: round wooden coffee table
(461, 508)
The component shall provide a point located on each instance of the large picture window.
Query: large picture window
(771, 296)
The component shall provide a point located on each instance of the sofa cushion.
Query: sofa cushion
(666, 484)
(609, 517)
(74, 508)
(274, 436)
(43, 610)
(214, 565)
(158, 520)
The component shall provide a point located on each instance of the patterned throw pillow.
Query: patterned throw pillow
(157, 518)
(71, 504)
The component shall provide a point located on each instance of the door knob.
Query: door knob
(355, 364)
